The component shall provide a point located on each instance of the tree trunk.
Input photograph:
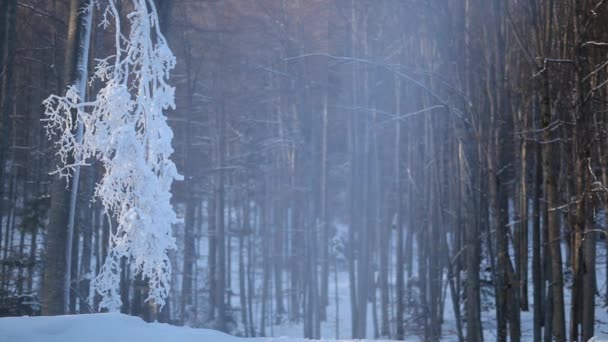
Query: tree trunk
(554, 236)
(245, 230)
(537, 279)
(87, 243)
(399, 288)
(6, 88)
(189, 261)
(221, 233)
(55, 294)
(325, 238)
(212, 258)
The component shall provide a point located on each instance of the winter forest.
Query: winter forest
(234, 170)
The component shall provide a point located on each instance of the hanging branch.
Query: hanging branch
(126, 130)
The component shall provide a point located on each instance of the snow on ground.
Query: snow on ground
(106, 327)
(118, 327)
(113, 327)
(110, 327)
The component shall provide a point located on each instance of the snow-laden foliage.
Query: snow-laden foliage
(126, 130)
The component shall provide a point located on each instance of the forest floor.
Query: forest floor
(118, 327)
(110, 327)
(339, 323)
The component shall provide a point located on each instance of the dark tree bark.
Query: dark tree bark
(54, 294)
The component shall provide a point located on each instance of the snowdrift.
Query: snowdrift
(109, 327)
(103, 327)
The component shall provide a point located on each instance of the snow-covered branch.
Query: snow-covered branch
(126, 130)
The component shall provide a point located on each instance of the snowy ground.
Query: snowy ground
(118, 328)
(448, 329)
(109, 328)
(449, 333)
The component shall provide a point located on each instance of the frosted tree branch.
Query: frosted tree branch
(126, 130)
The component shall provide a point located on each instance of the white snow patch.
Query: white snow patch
(110, 327)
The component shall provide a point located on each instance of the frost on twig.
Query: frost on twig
(126, 130)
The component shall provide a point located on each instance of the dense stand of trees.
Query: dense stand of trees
(428, 150)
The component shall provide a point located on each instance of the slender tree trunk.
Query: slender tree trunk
(265, 262)
(245, 230)
(55, 295)
(554, 236)
(7, 42)
(399, 329)
(473, 255)
(250, 280)
(75, 256)
(324, 300)
(87, 242)
(384, 256)
(189, 260)
(523, 216)
(352, 231)
(221, 232)
(584, 246)
(212, 258)
(537, 279)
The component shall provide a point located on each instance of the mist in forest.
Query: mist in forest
(340, 169)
